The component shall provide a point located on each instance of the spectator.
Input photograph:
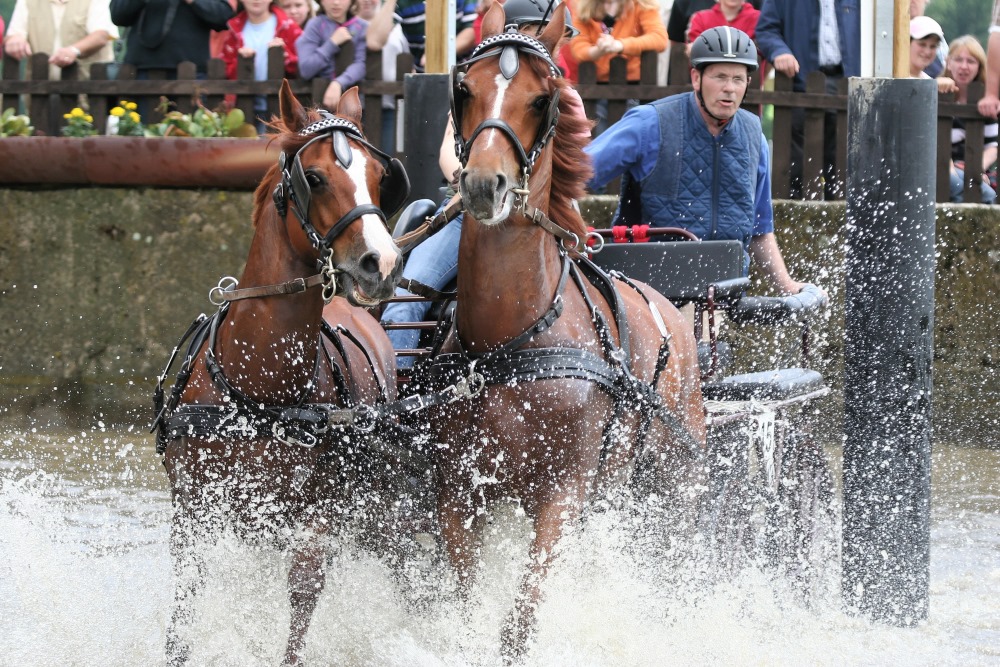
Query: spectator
(802, 37)
(412, 15)
(925, 38)
(385, 35)
(321, 42)
(165, 33)
(989, 105)
(611, 28)
(679, 20)
(736, 13)
(936, 67)
(71, 33)
(299, 11)
(713, 177)
(966, 63)
(252, 32)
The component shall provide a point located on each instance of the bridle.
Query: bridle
(394, 188)
(507, 46)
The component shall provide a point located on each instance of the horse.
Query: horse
(274, 387)
(574, 385)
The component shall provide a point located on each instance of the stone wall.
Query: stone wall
(96, 286)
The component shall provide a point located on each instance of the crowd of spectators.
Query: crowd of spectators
(793, 38)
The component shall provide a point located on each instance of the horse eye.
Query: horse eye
(541, 103)
(313, 179)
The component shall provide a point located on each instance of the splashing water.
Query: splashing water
(86, 579)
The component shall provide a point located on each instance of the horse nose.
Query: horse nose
(486, 187)
(371, 263)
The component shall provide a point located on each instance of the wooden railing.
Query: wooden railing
(47, 100)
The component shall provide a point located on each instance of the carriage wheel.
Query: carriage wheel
(803, 525)
(735, 509)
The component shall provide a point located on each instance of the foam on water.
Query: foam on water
(86, 579)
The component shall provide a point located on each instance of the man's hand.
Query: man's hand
(63, 57)
(332, 95)
(17, 46)
(787, 64)
(989, 105)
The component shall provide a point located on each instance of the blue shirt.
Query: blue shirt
(633, 144)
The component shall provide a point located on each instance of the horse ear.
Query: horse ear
(554, 30)
(493, 21)
(350, 106)
(293, 114)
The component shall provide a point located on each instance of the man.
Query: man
(697, 160)
(801, 37)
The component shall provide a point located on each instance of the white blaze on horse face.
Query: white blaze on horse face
(502, 83)
(373, 231)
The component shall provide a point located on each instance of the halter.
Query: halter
(508, 46)
(294, 186)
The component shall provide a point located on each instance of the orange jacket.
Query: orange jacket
(637, 29)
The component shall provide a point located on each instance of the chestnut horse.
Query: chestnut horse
(257, 436)
(579, 387)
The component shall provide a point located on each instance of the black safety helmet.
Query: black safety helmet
(522, 12)
(723, 45)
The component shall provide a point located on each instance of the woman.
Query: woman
(611, 28)
(321, 42)
(966, 63)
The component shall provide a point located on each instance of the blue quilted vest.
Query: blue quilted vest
(702, 183)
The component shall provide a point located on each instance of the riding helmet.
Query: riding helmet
(723, 44)
(521, 12)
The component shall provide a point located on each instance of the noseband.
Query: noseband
(507, 46)
(293, 186)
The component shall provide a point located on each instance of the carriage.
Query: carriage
(562, 366)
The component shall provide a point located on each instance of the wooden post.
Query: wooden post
(439, 49)
(888, 350)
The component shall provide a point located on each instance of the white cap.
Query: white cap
(925, 26)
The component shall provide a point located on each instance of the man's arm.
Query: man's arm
(630, 145)
(770, 39)
(215, 13)
(989, 103)
(764, 251)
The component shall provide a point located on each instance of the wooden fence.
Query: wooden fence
(47, 100)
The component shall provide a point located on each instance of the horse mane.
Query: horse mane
(571, 168)
(290, 142)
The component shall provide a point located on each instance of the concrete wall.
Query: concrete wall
(96, 285)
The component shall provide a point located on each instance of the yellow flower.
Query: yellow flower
(118, 111)
(67, 116)
(134, 116)
(131, 106)
(89, 118)
(77, 112)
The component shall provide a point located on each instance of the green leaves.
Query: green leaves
(15, 125)
(203, 123)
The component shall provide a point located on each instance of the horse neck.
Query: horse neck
(266, 342)
(507, 273)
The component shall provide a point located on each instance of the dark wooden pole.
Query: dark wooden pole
(889, 325)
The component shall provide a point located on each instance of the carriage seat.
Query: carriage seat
(413, 216)
(679, 270)
(775, 385)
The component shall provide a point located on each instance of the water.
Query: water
(85, 579)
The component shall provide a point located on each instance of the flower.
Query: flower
(15, 125)
(79, 123)
(125, 120)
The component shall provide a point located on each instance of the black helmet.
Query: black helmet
(521, 12)
(723, 45)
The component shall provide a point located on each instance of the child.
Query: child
(259, 26)
(299, 11)
(321, 42)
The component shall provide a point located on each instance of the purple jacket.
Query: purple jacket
(317, 54)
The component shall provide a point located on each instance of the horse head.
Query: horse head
(340, 189)
(505, 105)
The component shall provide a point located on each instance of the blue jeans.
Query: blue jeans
(433, 263)
(957, 176)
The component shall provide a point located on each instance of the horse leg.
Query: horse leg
(519, 628)
(185, 536)
(306, 579)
